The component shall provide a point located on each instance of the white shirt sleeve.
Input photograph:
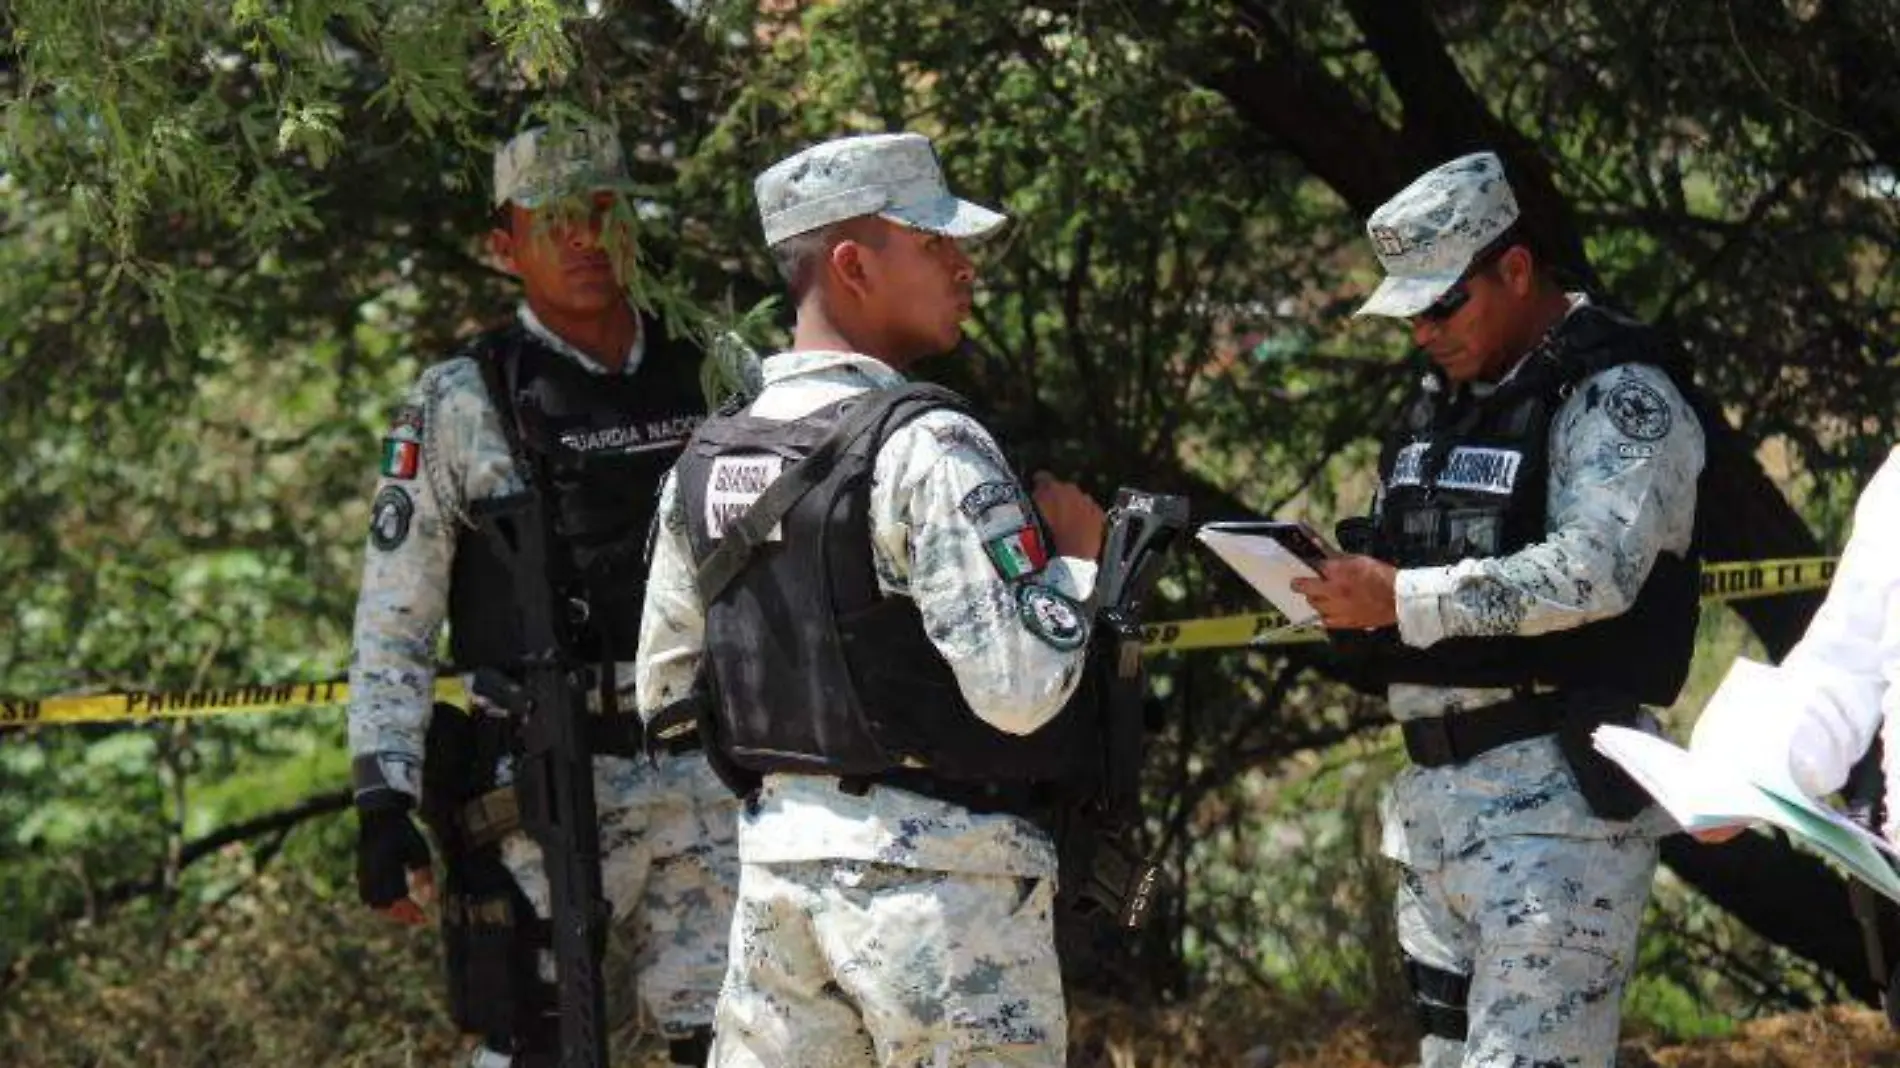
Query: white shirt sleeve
(1840, 679)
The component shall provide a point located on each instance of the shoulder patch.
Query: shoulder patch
(389, 518)
(1639, 411)
(1052, 617)
(978, 502)
(401, 457)
(406, 423)
(1019, 553)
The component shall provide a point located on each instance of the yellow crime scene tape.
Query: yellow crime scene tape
(1721, 583)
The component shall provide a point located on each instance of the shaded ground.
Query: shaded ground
(1237, 1035)
(293, 972)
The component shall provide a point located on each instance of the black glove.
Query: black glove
(388, 848)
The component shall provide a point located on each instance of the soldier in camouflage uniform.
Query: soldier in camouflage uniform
(613, 393)
(878, 923)
(1527, 574)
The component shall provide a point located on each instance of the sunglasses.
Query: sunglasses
(1451, 300)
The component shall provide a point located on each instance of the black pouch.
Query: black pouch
(482, 948)
(482, 910)
(1606, 787)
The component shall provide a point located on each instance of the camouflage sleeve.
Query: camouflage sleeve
(1625, 451)
(673, 622)
(952, 529)
(404, 594)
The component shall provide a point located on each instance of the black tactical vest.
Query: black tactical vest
(816, 670)
(598, 444)
(1466, 477)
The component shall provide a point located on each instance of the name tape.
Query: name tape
(1722, 583)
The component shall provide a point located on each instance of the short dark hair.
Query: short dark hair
(801, 257)
(1520, 234)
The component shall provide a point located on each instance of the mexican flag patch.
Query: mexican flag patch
(400, 458)
(1018, 553)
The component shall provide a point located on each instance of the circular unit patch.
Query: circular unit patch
(1050, 616)
(389, 518)
(1639, 411)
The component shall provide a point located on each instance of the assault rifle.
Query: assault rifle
(1103, 867)
(554, 776)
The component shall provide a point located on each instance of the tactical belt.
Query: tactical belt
(983, 798)
(1441, 741)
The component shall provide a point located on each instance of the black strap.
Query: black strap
(1438, 998)
(1440, 741)
(983, 798)
(745, 535)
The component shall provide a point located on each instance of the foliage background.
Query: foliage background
(235, 231)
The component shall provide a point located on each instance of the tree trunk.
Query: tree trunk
(1300, 107)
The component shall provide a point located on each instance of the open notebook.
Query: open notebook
(1269, 555)
(1704, 790)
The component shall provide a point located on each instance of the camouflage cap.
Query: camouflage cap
(1428, 235)
(541, 164)
(892, 176)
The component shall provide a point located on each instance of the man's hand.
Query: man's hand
(1353, 593)
(1718, 835)
(1075, 520)
(392, 863)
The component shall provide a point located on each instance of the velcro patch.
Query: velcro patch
(389, 517)
(734, 484)
(1019, 553)
(401, 458)
(1050, 616)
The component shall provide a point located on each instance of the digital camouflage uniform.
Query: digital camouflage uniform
(668, 855)
(890, 928)
(1507, 876)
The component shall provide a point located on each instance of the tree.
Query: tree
(237, 230)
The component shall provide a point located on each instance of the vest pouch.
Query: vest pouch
(1472, 533)
(489, 955)
(1605, 786)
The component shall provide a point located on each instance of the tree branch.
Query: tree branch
(273, 823)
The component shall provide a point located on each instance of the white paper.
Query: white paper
(1702, 793)
(1267, 566)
